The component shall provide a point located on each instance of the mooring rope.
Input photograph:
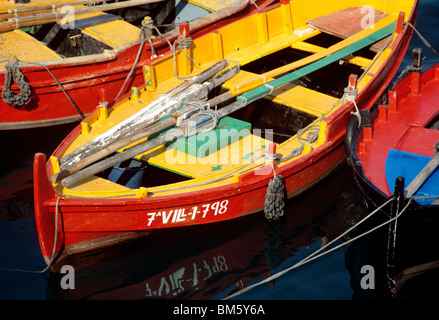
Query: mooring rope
(143, 35)
(57, 82)
(52, 258)
(315, 254)
(14, 74)
(181, 44)
(426, 43)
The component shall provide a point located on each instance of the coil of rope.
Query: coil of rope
(14, 74)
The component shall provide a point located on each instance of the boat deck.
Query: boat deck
(111, 32)
(402, 126)
(302, 105)
(24, 47)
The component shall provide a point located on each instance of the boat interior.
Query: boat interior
(92, 33)
(284, 36)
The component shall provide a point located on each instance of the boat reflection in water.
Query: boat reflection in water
(217, 260)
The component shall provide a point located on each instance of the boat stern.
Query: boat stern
(48, 223)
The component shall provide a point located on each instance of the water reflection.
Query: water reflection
(207, 262)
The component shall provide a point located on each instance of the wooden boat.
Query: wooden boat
(394, 155)
(66, 63)
(298, 122)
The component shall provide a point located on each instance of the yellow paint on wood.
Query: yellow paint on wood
(55, 164)
(308, 47)
(94, 186)
(262, 28)
(322, 133)
(113, 33)
(287, 22)
(85, 128)
(212, 5)
(217, 45)
(304, 99)
(103, 113)
(230, 157)
(24, 47)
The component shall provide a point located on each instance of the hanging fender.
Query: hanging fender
(351, 131)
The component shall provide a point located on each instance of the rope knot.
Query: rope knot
(274, 205)
(146, 28)
(14, 74)
(350, 95)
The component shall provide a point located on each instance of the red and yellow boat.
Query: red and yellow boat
(64, 63)
(268, 93)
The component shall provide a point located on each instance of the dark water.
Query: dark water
(210, 262)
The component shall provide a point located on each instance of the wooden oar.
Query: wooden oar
(140, 133)
(28, 9)
(42, 18)
(241, 101)
(189, 90)
(422, 176)
(22, 11)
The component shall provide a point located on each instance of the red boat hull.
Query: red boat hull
(83, 223)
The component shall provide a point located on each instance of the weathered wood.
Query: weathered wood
(412, 272)
(53, 6)
(422, 176)
(118, 158)
(191, 90)
(170, 135)
(142, 132)
(23, 11)
(49, 17)
(345, 23)
(75, 167)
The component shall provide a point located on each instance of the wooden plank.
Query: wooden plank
(364, 39)
(49, 17)
(212, 5)
(24, 47)
(347, 22)
(245, 81)
(304, 99)
(233, 156)
(356, 60)
(113, 33)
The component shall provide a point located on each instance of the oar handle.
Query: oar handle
(112, 161)
(422, 176)
(171, 135)
(210, 72)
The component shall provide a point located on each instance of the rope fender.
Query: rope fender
(14, 74)
(274, 205)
